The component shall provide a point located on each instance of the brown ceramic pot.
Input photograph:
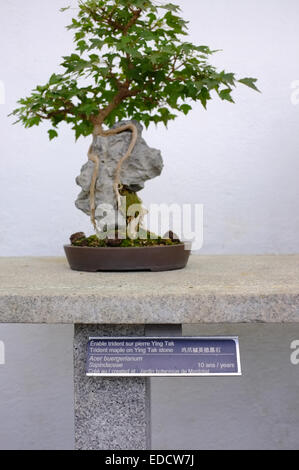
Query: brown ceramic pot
(150, 258)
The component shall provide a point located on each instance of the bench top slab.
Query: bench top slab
(221, 289)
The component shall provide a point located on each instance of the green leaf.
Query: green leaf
(79, 35)
(52, 134)
(204, 96)
(226, 95)
(151, 17)
(185, 108)
(96, 43)
(82, 46)
(94, 57)
(228, 78)
(83, 128)
(41, 89)
(88, 108)
(54, 79)
(33, 121)
(250, 82)
(170, 7)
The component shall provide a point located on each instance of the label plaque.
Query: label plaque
(163, 356)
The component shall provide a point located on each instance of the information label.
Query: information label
(163, 356)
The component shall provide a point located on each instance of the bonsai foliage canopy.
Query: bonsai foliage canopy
(131, 61)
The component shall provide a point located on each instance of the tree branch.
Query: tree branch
(132, 21)
(108, 19)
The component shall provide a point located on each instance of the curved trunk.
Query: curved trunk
(95, 159)
(98, 130)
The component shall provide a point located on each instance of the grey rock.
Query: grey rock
(144, 163)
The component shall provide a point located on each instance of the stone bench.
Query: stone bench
(113, 413)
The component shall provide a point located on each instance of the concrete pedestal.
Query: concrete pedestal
(110, 413)
(114, 413)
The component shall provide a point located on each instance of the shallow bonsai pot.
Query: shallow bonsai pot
(150, 258)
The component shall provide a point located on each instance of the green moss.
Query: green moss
(131, 198)
(146, 240)
(79, 242)
(92, 241)
(127, 242)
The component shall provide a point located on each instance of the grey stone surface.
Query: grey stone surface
(144, 163)
(212, 289)
(110, 413)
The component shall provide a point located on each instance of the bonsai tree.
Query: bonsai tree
(131, 61)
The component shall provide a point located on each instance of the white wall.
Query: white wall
(240, 161)
(259, 410)
(36, 388)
